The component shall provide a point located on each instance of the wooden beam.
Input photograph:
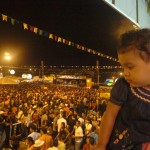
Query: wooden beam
(113, 1)
(137, 11)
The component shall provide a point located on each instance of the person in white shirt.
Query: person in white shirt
(35, 135)
(59, 121)
(79, 116)
(78, 135)
(88, 126)
(20, 114)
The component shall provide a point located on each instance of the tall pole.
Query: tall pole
(42, 69)
(97, 67)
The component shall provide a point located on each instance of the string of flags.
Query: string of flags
(86, 67)
(65, 67)
(54, 37)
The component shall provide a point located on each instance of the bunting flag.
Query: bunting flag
(69, 43)
(4, 18)
(51, 36)
(40, 32)
(35, 30)
(25, 26)
(55, 37)
(72, 44)
(46, 34)
(64, 41)
(59, 39)
(12, 21)
(89, 50)
(31, 28)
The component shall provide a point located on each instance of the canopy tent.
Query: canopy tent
(9, 80)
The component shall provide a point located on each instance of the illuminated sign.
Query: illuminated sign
(109, 82)
(27, 76)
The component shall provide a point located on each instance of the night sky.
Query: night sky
(91, 23)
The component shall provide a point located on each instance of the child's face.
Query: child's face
(136, 70)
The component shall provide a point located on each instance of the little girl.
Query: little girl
(126, 121)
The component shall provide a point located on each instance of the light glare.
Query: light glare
(7, 57)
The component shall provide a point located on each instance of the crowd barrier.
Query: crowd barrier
(15, 129)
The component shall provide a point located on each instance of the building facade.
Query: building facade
(135, 10)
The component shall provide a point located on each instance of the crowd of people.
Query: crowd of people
(49, 116)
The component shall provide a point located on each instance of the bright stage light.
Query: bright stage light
(12, 71)
(29, 76)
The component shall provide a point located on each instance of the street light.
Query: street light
(7, 56)
(121, 73)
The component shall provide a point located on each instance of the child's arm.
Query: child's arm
(107, 124)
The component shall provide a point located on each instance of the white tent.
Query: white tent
(9, 80)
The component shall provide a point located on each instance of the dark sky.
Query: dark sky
(91, 23)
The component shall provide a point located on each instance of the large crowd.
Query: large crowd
(48, 116)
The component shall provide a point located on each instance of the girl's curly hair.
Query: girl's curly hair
(140, 39)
